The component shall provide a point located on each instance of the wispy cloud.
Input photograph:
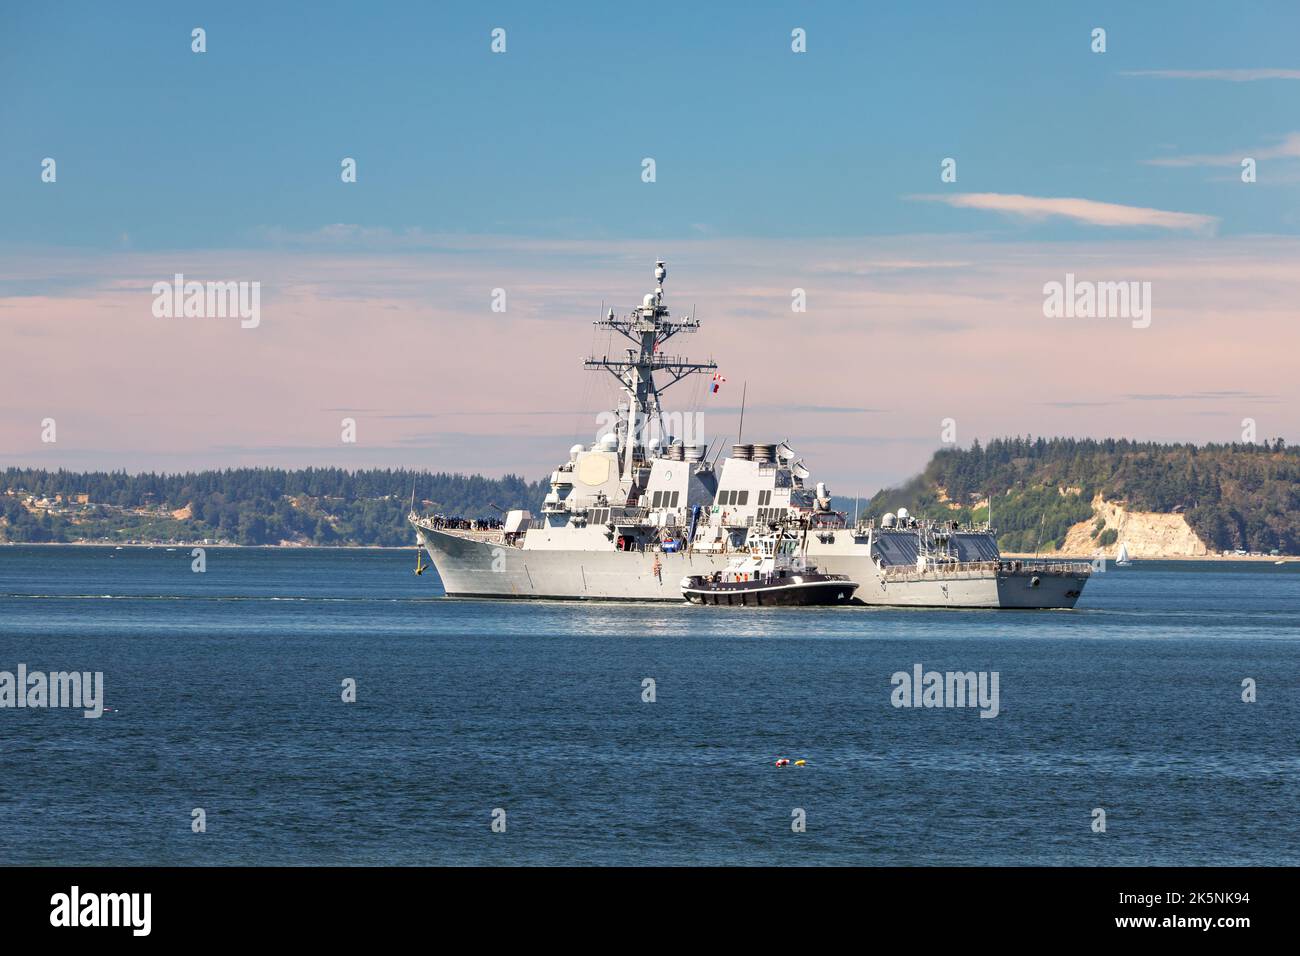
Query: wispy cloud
(1231, 76)
(422, 379)
(1195, 396)
(809, 409)
(877, 266)
(1289, 148)
(1080, 210)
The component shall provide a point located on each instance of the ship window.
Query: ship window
(658, 499)
(674, 501)
(744, 498)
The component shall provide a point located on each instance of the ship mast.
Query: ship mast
(648, 328)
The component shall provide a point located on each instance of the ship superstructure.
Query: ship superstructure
(631, 514)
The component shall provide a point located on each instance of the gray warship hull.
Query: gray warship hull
(978, 577)
(472, 566)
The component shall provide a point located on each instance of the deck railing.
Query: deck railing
(977, 569)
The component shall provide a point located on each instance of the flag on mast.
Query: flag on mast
(717, 382)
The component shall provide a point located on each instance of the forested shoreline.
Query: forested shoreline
(1240, 496)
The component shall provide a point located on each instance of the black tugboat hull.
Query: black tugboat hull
(806, 593)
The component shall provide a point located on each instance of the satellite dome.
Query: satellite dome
(649, 300)
(887, 521)
(575, 451)
(609, 442)
(903, 514)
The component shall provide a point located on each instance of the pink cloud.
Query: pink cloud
(1087, 211)
(1231, 76)
(1289, 148)
(953, 327)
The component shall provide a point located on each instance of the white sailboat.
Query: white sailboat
(1122, 560)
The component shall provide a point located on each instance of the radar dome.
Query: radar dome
(575, 451)
(903, 514)
(609, 442)
(649, 300)
(887, 521)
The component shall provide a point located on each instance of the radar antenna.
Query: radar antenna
(648, 328)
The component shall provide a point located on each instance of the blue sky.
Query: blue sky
(176, 150)
(522, 171)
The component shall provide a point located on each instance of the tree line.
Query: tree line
(326, 506)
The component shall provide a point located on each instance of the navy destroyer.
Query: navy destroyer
(632, 514)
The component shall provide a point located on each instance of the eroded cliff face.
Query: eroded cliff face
(1148, 534)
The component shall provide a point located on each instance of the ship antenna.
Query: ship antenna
(719, 452)
(740, 433)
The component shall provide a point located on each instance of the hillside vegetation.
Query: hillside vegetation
(1232, 496)
(326, 506)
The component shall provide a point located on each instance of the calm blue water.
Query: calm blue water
(224, 691)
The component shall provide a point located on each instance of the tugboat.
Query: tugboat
(771, 573)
